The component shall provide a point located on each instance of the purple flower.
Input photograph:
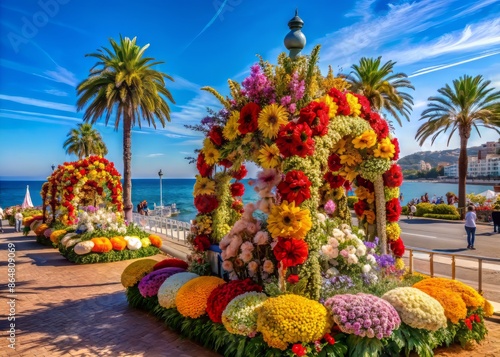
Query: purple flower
(297, 87)
(149, 285)
(330, 207)
(257, 87)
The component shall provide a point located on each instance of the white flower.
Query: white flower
(371, 259)
(361, 250)
(333, 242)
(366, 268)
(332, 272)
(330, 251)
(352, 259)
(321, 217)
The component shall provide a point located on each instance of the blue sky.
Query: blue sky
(43, 47)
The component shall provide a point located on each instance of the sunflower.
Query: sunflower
(203, 186)
(332, 112)
(365, 140)
(269, 156)
(230, 131)
(271, 118)
(212, 155)
(288, 221)
(385, 149)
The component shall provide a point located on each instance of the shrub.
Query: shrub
(423, 208)
(443, 208)
(191, 299)
(405, 210)
(451, 217)
(351, 200)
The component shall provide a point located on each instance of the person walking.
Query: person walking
(19, 220)
(1, 217)
(413, 210)
(470, 227)
(495, 216)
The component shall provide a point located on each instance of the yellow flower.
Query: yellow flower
(364, 194)
(365, 140)
(348, 173)
(400, 264)
(353, 104)
(369, 216)
(212, 155)
(339, 147)
(385, 149)
(350, 158)
(203, 186)
(333, 107)
(230, 131)
(393, 230)
(288, 221)
(271, 118)
(269, 156)
(192, 297)
(134, 272)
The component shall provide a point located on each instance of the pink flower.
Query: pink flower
(261, 238)
(267, 178)
(252, 228)
(227, 265)
(253, 266)
(239, 226)
(344, 253)
(330, 207)
(268, 267)
(246, 256)
(247, 246)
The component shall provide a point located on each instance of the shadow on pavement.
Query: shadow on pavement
(456, 250)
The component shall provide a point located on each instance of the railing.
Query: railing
(172, 228)
(468, 258)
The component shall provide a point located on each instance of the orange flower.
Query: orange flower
(155, 240)
(118, 243)
(102, 245)
(41, 228)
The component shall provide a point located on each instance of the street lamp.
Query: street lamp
(53, 167)
(160, 173)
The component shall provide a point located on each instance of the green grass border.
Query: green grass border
(112, 256)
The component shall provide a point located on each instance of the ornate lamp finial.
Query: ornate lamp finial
(295, 40)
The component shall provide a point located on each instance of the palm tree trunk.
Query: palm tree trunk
(127, 163)
(462, 173)
(380, 213)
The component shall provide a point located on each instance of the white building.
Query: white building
(481, 165)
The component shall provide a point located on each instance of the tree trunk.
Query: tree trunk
(127, 163)
(380, 212)
(462, 173)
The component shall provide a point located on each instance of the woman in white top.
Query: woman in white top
(19, 220)
(470, 227)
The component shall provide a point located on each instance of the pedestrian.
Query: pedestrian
(19, 220)
(145, 207)
(140, 209)
(413, 209)
(401, 199)
(1, 217)
(495, 216)
(434, 199)
(470, 227)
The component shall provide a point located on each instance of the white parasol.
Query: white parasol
(27, 199)
(489, 194)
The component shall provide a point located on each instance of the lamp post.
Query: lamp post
(160, 173)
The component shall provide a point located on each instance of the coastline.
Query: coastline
(455, 181)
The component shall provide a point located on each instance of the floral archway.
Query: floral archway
(314, 140)
(90, 181)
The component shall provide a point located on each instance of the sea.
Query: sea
(179, 191)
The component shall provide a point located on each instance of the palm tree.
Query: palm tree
(382, 87)
(469, 104)
(85, 141)
(124, 81)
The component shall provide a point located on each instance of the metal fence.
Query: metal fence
(173, 229)
(465, 261)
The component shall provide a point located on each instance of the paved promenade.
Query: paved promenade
(64, 309)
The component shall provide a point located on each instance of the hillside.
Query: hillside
(434, 157)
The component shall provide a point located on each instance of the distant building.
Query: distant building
(490, 147)
(481, 165)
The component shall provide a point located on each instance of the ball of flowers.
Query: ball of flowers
(191, 300)
(82, 248)
(55, 235)
(47, 233)
(35, 223)
(416, 308)
(145, 242)
(469, 295)
(292, 318)
(66, 238)
(171, 262)
(223, 294)
(155, 240)
(118, 243)
(363, 315)
(101, 245)
(134, 272)
(149, 285)
(40, 229)
(170, 287)
(240, 315)
(133, 243)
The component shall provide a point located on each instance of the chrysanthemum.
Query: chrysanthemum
(365, 140)
(353, 104)
(288, 221)
(271, 118)
(269, 156)
(230, 131)
(385, 149)
(332, 112)
(203, 186)
(211, 154)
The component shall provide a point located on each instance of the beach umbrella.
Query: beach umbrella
(489, 194)
(27, 198)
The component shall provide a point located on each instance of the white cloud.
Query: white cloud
(56, 92)
(361, 9)
(174, 136)
(478, 5)
(39, 103)
(155, 155)
(37, 117)
(182, 83)
(61, 75)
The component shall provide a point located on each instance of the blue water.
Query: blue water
(179, 191)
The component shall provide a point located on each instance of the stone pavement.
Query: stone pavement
(63, 309)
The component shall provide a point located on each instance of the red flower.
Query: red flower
(293, 279)
(397, 247)
(334, 162)
(206, 203)
(335, 181)
(248, 121)
(290, 252)
(215, 134)
(339, 98)
(241, 173)
(237, 189)
(284, 140)
(477, 318)
(295, 187)
(201, 243)
(468, 323)
(394, 176)
(303, 144)
(365, 104)
(237, 206)
(315, 114)
(204, 169)
(169, 263)
(226, 163)
(395, 142)
(393, 210)
(299, 350)
(328, 338)
(223, 294)
(360, 207)
(360, 181)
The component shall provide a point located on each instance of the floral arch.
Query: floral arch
(90, 181)
(314, 140)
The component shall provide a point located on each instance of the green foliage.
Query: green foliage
(465, 336)
(351, 200)
(405, 210)
(444, 208)
(44, 241)
(112, 256)
(423, 208)
(364, 346)
(451, 217)
(413, 339)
